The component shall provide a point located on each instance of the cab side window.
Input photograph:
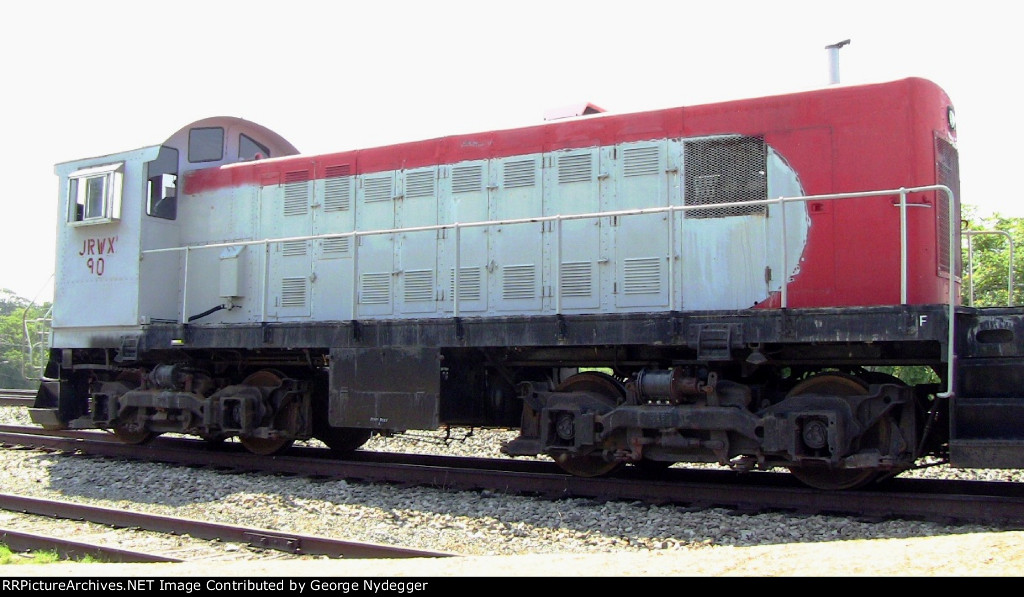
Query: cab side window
(162, 185)
(94, 194)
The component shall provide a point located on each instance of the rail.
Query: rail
(970, 234)
(556, 221)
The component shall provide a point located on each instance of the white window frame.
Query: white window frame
(112, 179)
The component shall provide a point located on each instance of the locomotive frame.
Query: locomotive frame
(684, 304)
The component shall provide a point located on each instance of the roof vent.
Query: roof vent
(572, 110)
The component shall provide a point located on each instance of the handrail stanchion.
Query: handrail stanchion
(671, 260)
(970, 266)
(785, 265)
(558, 267)
(458, 266)
(950, 325)
(970, 234)
(903, 246)
(265, 281)
(355, 275)
(184, 289)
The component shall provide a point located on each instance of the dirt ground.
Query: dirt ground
(983, 554)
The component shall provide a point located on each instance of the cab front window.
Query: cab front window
(206, 144)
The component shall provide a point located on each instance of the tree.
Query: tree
(986, 260)
(24, 329)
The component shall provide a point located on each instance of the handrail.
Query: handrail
(670, 210)
(970, 234)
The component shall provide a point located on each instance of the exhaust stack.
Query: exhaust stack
(833, 61)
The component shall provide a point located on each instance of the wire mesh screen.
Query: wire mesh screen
(725, 170)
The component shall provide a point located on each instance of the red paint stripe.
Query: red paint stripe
(751, 117)
(759, 116)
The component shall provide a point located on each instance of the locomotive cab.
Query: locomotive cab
(118, 211)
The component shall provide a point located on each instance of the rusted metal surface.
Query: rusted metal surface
(288, 542)
(21, 541)
(944, 501)
(10, 397)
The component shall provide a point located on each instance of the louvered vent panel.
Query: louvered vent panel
(337, 171)
(469, 283)
(293, 248)
(641, 276)
(947, 171)
(518, 282)
(640, 161)
(467, 179)
(296, 193)
(577, 278)
(336, 247)
(378, 189)
(520, 173)
(420, 184)
(419, 285)
(726, 170)
(575, 168)
(375, 288)
(336, 193)
(293, 292)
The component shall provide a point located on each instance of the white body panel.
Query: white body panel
(280, 246)
(603, 264)
(97, 290)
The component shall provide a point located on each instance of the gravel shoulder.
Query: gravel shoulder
(975, 554)
(499, 535)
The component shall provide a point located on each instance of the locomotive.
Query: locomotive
(722, 283)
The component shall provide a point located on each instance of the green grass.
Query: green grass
(8, 557)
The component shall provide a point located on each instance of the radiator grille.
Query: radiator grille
(726, 170)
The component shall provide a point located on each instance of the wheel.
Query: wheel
(128, 430)
(611, 391)
(824, 477)
(829, 479)
(267, 446)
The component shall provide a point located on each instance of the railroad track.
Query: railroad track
(10, 397)
(200, 539)
(943, 501)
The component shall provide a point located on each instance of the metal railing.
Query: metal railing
(557, 223)
(969, 235)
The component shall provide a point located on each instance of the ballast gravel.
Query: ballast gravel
(472, 523)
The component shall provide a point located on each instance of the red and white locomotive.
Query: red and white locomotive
(710, 283)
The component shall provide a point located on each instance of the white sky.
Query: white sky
(335, 75)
